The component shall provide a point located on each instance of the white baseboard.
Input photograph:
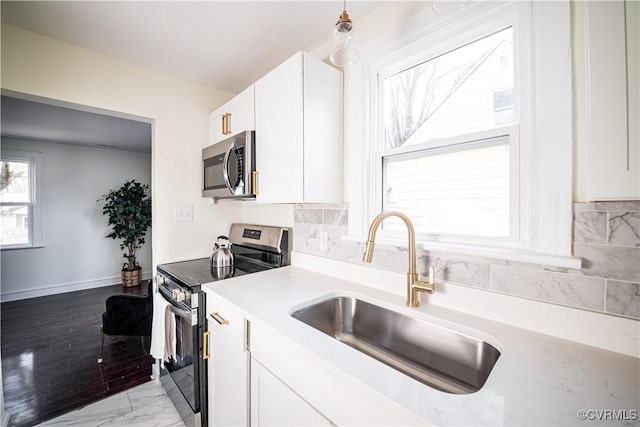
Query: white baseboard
(65, 287)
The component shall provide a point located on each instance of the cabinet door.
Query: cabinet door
(612, 62)
(228, 366)
(216, 124)
(242, 112)
(275, 404)
(323, 148)
(279, 133)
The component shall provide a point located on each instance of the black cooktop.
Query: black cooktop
(196, 272)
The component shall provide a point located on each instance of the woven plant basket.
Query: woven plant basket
(131, 278)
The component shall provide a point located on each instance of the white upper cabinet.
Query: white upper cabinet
(217, 124)
(613, 141)
(299, 150)
(237, 115)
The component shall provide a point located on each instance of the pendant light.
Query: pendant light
(343, 52)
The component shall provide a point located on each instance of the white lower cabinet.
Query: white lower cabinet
(273, 403)
(228, 364)
(313, 387)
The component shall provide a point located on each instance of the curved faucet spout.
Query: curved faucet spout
(373, 229)
(413, 284)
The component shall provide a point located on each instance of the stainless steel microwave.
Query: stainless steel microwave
(228, 168)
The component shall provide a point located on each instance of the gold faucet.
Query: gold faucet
(413, 284)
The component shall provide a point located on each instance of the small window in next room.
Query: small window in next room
(448, 141)
(19, 219)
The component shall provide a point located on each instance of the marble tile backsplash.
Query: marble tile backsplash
(606, 235)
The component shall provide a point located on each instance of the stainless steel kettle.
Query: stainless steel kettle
(222, 255)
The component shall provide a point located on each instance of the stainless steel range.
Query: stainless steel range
(255, 248)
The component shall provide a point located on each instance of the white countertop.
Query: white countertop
(538, 379)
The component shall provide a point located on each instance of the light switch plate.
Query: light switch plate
(184, 213)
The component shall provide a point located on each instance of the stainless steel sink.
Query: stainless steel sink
(439, 357)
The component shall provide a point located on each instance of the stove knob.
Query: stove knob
(181, 296)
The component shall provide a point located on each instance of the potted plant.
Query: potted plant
(129, 211)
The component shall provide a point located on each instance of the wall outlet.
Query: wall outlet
(324, 241)
(184, 213)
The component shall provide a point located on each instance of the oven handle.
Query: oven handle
(189, 315)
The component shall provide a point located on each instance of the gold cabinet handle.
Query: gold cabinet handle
(254, 183)
(205, 345)
(221, 320)
(226, 124)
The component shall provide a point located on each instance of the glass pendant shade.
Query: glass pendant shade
(343, 51)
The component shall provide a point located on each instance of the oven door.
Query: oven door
(182, 334)
(181, 365)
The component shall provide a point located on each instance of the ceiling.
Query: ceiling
(50, 123)
(222, 44)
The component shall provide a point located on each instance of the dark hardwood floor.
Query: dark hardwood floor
(50, 348)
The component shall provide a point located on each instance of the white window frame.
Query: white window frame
(34, 159)
(542, 67)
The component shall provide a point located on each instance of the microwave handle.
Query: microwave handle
(225, 168)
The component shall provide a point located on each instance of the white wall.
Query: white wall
(270, 214)
(76, 254)
(178, 110)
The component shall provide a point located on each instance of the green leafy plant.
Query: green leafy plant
(129, 211)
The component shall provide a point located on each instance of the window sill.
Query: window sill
(17, 247)
(508, 254)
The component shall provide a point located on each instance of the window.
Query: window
(20, 219)
(445, 161)
(464, 123)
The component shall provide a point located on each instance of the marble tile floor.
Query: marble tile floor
(146, 405)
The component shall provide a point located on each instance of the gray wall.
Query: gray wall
(76, 254)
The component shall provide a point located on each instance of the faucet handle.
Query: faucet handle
(432, 275)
